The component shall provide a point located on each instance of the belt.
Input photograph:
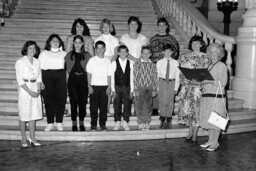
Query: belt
(31, 81)
(213, 95)
(78, 73)
(166, 80)
(54, 70)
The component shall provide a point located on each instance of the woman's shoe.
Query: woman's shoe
(24, 144)
(33, 143)
(205, 145)
(212, 149)
(82, 128)
(188, 139)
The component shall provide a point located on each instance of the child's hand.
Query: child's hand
(154, 93)
(108, 91)
(114, 94)
(90, 90)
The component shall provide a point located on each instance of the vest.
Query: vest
(122, 78)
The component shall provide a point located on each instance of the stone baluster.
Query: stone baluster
(228, 48)
(193, 31)
(181, 16)
(174, 9)
(177, 12)
(185, 22)
(189, 26)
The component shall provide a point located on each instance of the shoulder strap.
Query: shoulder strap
(213, 66)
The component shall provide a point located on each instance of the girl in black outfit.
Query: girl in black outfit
(76, 62)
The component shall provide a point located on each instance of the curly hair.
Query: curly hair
(112, 29)
(137, 20)
(86, 31)
(197, 38)
(24, 49)
(219, 47)
(48, 45)
(163, 20)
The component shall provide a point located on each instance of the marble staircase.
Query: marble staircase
(37, 19)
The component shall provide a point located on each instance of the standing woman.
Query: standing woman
(52, 61)
(108, 32)
(218, 71)
(133, 39)
(28, 76)
(190, 92)
(76, 62)
(80, 27)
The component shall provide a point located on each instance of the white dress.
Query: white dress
(29, 108)
(134, 45)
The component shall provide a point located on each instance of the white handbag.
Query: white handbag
(215, 118)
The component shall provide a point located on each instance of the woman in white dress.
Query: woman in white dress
(28, 76)
(133, 39)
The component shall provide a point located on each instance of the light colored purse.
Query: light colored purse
(215, 118)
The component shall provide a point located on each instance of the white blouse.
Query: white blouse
(52, 60)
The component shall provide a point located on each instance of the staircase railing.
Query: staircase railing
(193, 22)
(7, 7)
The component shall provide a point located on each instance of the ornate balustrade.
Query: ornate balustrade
(193, 22)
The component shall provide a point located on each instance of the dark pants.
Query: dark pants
(122, 97)
(144, 105)
(99, 101)
(55, 94)
(78, 93)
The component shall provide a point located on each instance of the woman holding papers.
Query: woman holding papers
(209, 100)
(190, 92)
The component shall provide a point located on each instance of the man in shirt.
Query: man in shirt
(99, 78)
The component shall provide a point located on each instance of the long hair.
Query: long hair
(24, 49)
(82, 47)
(48, 45)
(86, 31)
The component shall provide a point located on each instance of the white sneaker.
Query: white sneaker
(141, 126)
(59, 126)
(147, 126)
(49, 127)
(117, 126)
(125, 126)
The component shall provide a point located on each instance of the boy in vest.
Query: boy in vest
(122, 87)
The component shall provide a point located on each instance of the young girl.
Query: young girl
(76, 62)
(108, 32)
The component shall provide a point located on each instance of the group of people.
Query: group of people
(133, 67)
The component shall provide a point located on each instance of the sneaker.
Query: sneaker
(117, 126)
(126, 126)
(93, 128)
(146, 127)
(59, 126)
(141, 126)
(49, 127)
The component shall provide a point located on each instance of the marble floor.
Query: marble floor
(237, 152)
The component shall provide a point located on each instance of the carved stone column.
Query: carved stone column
(244, 82)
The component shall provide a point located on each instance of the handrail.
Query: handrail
(193, 22)
(8, 5)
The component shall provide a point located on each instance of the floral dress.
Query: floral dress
(189, 105)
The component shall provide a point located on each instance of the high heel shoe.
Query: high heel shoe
(212, 149)
(24, 144)
(33, 143)
(205, 145)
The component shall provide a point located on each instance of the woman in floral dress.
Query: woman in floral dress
(190, 92)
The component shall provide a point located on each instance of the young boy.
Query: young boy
(145, 86)
(122, 87)
(99, 78)
(168, 74)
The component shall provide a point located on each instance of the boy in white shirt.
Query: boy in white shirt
(168, 74)
(99, 78)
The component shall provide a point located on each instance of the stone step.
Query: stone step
(13, 133)
(91, 7)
